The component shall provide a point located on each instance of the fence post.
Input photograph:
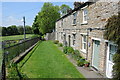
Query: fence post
(3, 68)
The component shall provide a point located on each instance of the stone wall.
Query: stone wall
(98, 14)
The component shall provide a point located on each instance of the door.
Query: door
(109, 64)
(65, 42)
(69, 41)
(95, 60)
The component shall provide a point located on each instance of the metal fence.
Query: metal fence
(15, 50)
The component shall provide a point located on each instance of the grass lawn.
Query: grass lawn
(47, 61)
(15, 37)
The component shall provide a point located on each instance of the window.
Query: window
(84, 43)
(74, 17)
(85, 12)
(61, 35)
(62, 23)
(74, 37)
(112, 51)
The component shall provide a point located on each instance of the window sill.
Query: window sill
(84, 23)
(73, 24)
(84, 51)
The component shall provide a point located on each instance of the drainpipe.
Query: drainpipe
(87, 42)
(88, 29)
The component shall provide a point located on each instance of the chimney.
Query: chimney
(77, 4)
(69, 10)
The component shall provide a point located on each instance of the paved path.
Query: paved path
(86, 71)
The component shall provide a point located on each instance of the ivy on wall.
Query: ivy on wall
(112, 33)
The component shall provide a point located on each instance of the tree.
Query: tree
(4, 31)
(112, 33)
(20, 30)
(14, 30)
(35, 26)
(28, 29)
(47, 18)
(64, 8)
(9, 31)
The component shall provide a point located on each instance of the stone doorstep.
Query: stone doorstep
(22, 55)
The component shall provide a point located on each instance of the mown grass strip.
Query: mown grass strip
(47, 61)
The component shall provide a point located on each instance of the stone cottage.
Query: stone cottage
(83, 29)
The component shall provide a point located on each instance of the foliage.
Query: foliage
(4, 31)
(81, 62)
(16, 30)
(65, 49)
(64, 8)
(28, 29)
(14, 72)
(112, 29)
(56, 42)
(12, 30)
(35, 26)
(60, 44)
(76, 55)
(70, 50)
(112, 33)
(20, 30)
(47, 17)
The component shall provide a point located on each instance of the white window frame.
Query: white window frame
(109, 49)
(83, 42)
(74, 39)
(74, 18)
(85, 15)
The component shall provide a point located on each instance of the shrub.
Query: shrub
(14, 72)
(76, 55)
(86, 64)
(81, 62)
(60, 45)
(65, 50)
(76, 52)
(70, 50)
(56, 42)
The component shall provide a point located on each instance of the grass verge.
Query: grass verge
(47, 61)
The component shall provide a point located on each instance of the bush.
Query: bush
(76, 55)
(65, 49)
(13, 72)
(81, 62)
(70, 50)
(60, 45)
(56, 42)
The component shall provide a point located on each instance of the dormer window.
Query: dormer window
(85, 13)
(74, 17)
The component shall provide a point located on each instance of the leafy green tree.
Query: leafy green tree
(9, 31)
(4, 31)
(47, 17)
(112, 33)
(20, 29)
(28, 29)
(64, 8)
(35, 26)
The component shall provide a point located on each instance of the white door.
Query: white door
(95, 59)
(109, 64)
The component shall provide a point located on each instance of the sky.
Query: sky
(13, 11)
